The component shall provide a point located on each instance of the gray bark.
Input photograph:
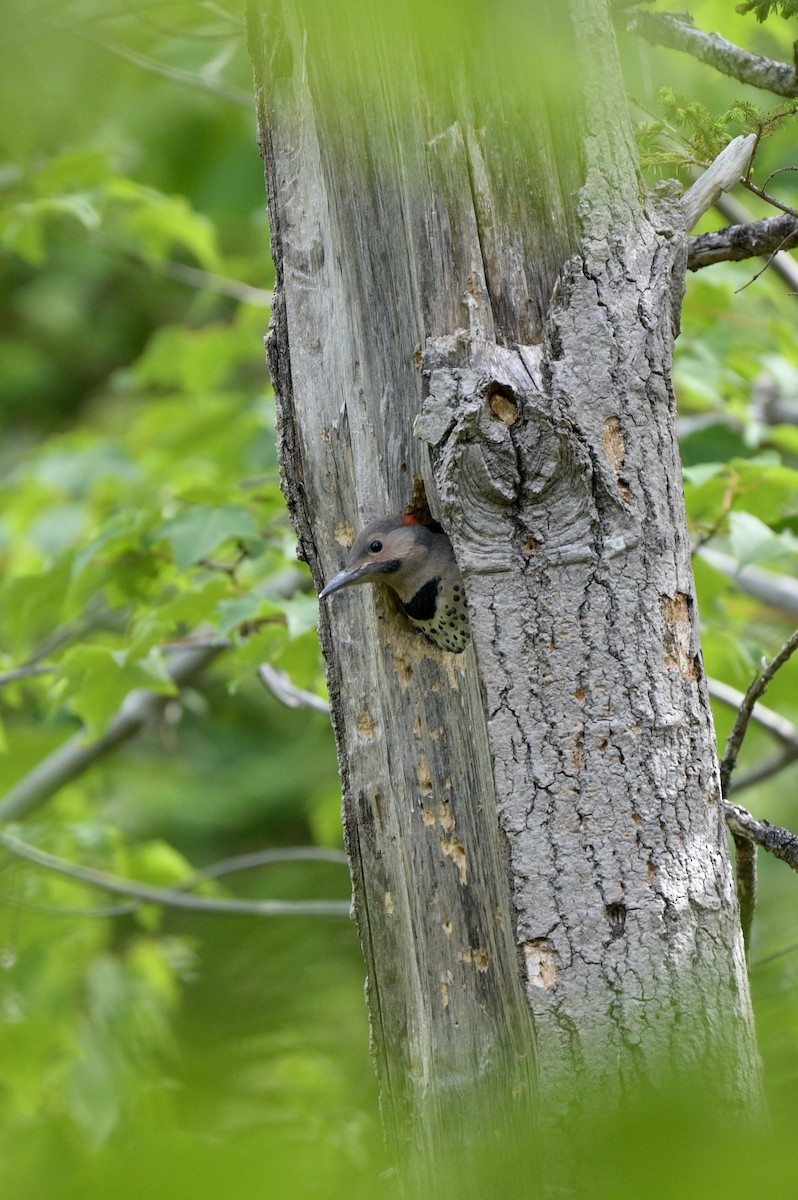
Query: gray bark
(417, 254)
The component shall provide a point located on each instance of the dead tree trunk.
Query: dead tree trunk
(534, 826)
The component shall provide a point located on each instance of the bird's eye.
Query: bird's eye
(375, 546)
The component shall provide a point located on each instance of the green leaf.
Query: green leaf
(196, 533)
(752, 540)
(95, 681)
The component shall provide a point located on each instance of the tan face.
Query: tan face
(387, 551)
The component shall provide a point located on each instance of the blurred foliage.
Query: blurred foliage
(762, 9)
(700, 134)
(140, 510)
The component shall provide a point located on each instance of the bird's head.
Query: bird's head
(396, 550)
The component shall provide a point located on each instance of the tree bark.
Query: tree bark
(534, 827)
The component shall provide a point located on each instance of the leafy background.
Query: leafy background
(140, 511)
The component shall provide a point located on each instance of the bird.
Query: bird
(419, 564)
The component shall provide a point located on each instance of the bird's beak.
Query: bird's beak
(344, 579)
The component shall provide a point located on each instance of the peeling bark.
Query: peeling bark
(534, 826)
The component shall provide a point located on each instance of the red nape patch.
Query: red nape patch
(409, 519)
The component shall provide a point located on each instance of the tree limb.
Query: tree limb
(777, 841)
(675, 33)
(736, 242)
(173, 897)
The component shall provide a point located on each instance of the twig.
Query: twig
(766, 770)
(736, 242)
(172, 897)
(769, 198)
(226, 866)
(266, 858)
(245, 293)
(747, 832)
(673, 32)
(756, 689)
(173, 74)
(774, 722)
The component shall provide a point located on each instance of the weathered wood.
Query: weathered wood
(581, 718)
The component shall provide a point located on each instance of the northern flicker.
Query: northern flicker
(420, 566)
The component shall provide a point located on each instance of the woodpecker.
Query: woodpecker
(420, 566)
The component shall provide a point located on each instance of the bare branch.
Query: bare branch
(287, 692)
(173, 74)
(755, 690)
(245, 293)
(736, 242)
(226, 866)
(766, 770)
(777, 841)
(76, 755)
(265, 858)
(172, 897)
(769, 198)
(721, 175)
(675, 33)
(733, 210)
(17, 673)
(774, 722)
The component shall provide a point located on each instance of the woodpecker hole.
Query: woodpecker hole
(504, 406)
(616, 917)
(580, 694)
(444, 990)
(428, 817)
(388, 902)
(424, 777)
(615, 450)
(365, 725)
(477, 958)
(445, 817)
(456, 852)
(531, 546)
(344, 536)
(418, 508)
(677, 636)
(447, 927)
(541, 963)
(403, 668)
